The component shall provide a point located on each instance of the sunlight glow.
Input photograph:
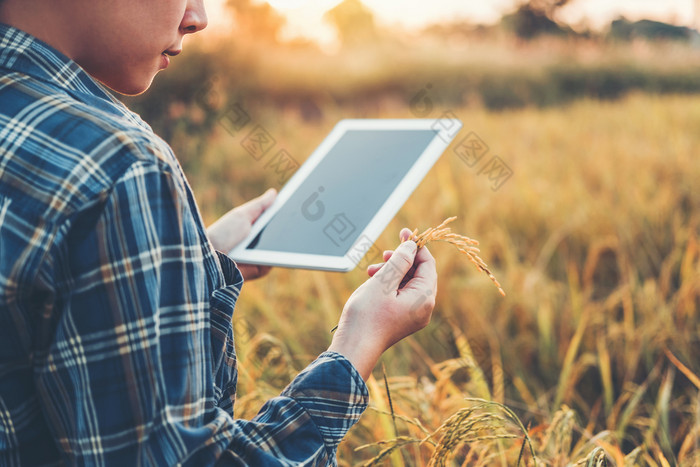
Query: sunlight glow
(305, 17)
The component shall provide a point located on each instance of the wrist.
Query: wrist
(363, 357)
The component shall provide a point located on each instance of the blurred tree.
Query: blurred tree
(353, 21)
(547, 7)
(535, 17)
(256, 21)
(622, 29)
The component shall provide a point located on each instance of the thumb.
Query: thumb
(393, 272)
(257, 206)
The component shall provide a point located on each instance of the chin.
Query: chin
(131, 89)
(128, 86)
(123, 76)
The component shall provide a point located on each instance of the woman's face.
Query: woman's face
(124, 43)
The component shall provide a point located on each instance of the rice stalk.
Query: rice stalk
(605, 369)
(597, 458)
(557, 439)
(410, 421)
(391, 404)
(599, 440)
(386, 426)
(659, 428)
(390, 450)
(684, 369)
(469, 361)
(466, 245)
(570, 357)
(632, 458)
(478, 424)
(631, 407)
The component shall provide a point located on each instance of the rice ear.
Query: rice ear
(466, 245)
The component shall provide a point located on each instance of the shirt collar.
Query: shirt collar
(23, 53)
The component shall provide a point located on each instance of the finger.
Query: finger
(252, 271)
(424, 274)
(391, 274)
(405, 234)
(257, 206)
(424, 255)
(373, 268)
(386, 255)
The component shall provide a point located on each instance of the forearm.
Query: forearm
(362, 356)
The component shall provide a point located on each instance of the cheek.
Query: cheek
(168, 15)
(153, 27)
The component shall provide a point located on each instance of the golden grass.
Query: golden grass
(595, 238)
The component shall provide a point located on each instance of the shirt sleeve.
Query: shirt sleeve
(305, 424)
(142, 366)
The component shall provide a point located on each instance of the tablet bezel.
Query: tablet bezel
(446, 129)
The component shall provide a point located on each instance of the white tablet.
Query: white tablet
(331, 211)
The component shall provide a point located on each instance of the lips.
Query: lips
(165, 57)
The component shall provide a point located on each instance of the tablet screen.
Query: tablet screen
(338, 199)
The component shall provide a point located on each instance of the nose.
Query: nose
(195, 18)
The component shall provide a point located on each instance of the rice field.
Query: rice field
(592, 356)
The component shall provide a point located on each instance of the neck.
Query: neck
(36, 18)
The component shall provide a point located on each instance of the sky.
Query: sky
(305, 17)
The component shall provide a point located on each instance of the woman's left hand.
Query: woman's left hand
(235, 225)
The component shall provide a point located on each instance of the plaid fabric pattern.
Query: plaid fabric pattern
(116, 345)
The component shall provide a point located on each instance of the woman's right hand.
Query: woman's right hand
(396, 301)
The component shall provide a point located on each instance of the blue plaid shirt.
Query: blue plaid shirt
(116, 345)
